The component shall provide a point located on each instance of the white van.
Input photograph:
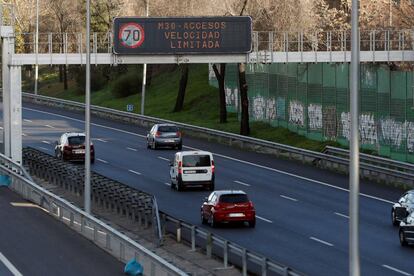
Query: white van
(192, 168)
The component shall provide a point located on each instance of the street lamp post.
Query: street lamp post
(36, 48)
(354, 265)
(87, 115)
(144, 69)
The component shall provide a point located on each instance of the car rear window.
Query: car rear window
(167, 129)
(196, 160)
(76, 140)
(234, 198)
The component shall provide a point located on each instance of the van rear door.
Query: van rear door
(197, 167)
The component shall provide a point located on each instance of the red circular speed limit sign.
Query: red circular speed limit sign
(131, 35)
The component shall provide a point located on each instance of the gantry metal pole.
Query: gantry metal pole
(354, 266)
(87, 115)
(37, 48)
(144, 69)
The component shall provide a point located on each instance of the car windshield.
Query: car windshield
(76, 140)
(234, 198)
(167, 129)
(410, 198)
(196, 160)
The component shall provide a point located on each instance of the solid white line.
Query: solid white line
(1, 127)
(101, 140)
(262, 218)
(223, 156)
(27, 120)
(132, 171)
(44, 148)
(163, 158)
(289, 198)
(321, 241)
(49, 126)
(46, 142)
(101, 160)
(132, 149)
(396, 270)
(24, 134)
(341, 215)
(168, 184)
(241, 183)
(9, 265)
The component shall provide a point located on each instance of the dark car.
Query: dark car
(228, 206)
(164, 135)
(401, 209)
(71, 147)
(406, 232)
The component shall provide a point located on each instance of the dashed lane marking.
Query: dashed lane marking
(321, 241)
(163, 158)
(101, 160)
(101, 140)
(135, 172)
(46, 142)
(9, 265)
(132, 149)
(49, 126)
(168, 184)
(242, 183)
(341, 215)
(288, 198)
(396, 270)
(44, 149)
(264, 219)
(27, 120)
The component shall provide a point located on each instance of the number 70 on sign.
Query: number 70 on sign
(131, 35)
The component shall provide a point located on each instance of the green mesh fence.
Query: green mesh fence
(313, 100)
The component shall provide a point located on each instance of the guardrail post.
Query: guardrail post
(179, 231)
(95, 233)
(71, 219)
(121, 251)
(108, 241)
(82, 224)
(244, 262)
(193, 238)
(225, 253)
(209, 244)
(152, 269)
(264, 266)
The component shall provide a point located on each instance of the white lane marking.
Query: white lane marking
(163, 158)
(241, 183)
(9, 265)
(101, 140)
(264, 219)
(321, 241)
(341, 215)
(396, 270)
(135, 172)
(1, 127)
(46, 142)
(101, 160)
(132, 149)
(223, 156)
(27, 120)
(24, 134)
(44, 149)
(49, 126)
(168, 184)
(288, 198)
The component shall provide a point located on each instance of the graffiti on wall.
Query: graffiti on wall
(263, 108)
(315, 116)
(232, 95)
(296, 114)
(368, 129)
(280, 108)
(397, 133)
(345, 124)
(329, 122)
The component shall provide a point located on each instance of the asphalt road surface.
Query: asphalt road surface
(302, 212)
(34, 243)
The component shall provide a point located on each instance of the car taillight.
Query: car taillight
(212, 166)
(67, 148)
(179, 167)
(157, 134)
(178, 134)
(92, 148)
(251, 205)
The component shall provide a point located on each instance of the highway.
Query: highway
(301, 210)
(33, 243)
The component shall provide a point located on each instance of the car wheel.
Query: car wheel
(203, 219)
(393, 218)
(154, 145)
(252, 223)
(148, 145)
(402, 238)
(179, 186)
(93, 161)
(172, 186)
(180, 147)
(212, 221)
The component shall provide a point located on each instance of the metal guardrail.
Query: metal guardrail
(114, 242)
(340, 163)
(66, 175)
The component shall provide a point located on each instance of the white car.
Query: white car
(192, 168)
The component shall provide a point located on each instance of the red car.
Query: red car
(228, 206)
(71, 147)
